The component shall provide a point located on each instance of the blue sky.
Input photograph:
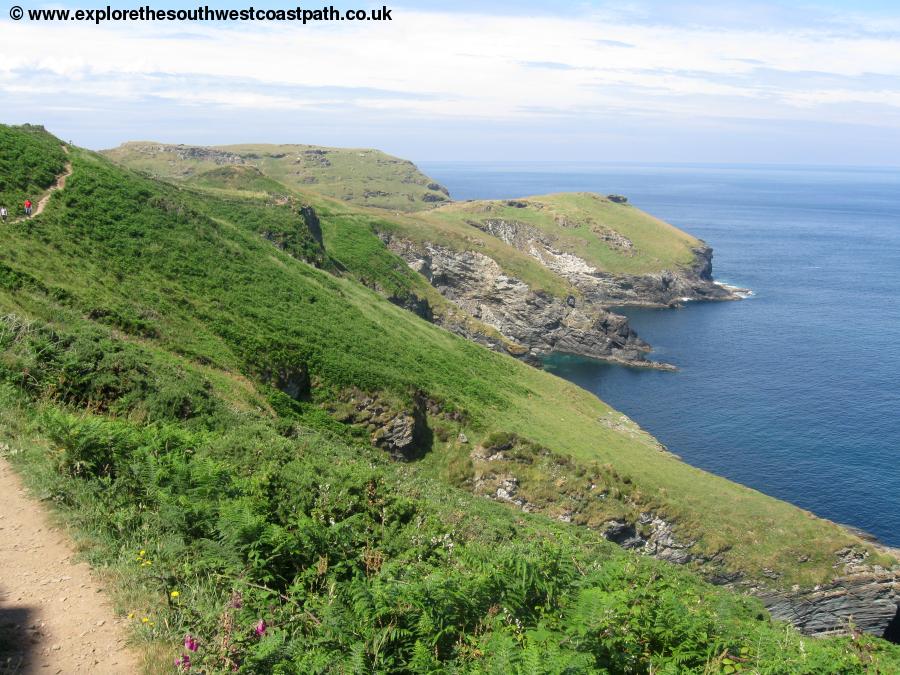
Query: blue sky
(761, 82)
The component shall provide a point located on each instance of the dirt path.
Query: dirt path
(54, 617)
(58, 185)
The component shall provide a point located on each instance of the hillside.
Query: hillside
(30, 161)
(527, 276)
(360, 176)
(200, 375)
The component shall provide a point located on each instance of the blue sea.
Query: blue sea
(794, 391)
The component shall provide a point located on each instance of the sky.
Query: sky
(629, 81)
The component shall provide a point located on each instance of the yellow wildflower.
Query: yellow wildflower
(174, 594)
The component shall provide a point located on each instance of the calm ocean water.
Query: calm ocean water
(795, 391)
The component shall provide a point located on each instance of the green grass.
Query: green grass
(358, 565)
(142, 333)
(237, 178)
(30, 160)
(360, 176)
(350, 236)
(576, 223)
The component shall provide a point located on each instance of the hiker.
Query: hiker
(28, 207)
(3, 213)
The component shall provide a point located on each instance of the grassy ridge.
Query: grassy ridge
(615, 238)
(240, 178)
(143, 323)
(361, 176)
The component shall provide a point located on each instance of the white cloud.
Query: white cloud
(468, 66)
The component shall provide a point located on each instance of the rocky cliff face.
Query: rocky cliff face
(866, 597)
(664, 288)
(537, 321)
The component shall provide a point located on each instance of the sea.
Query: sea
(794, 391)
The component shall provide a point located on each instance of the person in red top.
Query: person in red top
(27, 207)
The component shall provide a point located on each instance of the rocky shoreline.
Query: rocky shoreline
(537, 324)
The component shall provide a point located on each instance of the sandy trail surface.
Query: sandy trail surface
(54, 616)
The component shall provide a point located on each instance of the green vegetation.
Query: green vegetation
(240, 178)
(614, 237)
(354, 565)
(361, 176)
(192, 274)
(149, 339)
(30, 160)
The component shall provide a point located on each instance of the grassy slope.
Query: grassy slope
(360, 176)
(575, 221)
(30, 161)
(156, 307)
(215, 291)
(359, 565)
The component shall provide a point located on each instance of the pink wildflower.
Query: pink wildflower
(260, 629)
(190, 643)
(183, 662)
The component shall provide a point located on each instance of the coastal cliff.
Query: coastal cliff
(541, 323)
(538, 321)
(657, 289)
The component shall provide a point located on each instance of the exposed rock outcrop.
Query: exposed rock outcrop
(868, 601)
(650, 535)
(401, 431)
(866, 597)
(665, 288)
(291, 380)
(311, 218)
(196, 153)
(300, 238)
(538, 321)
